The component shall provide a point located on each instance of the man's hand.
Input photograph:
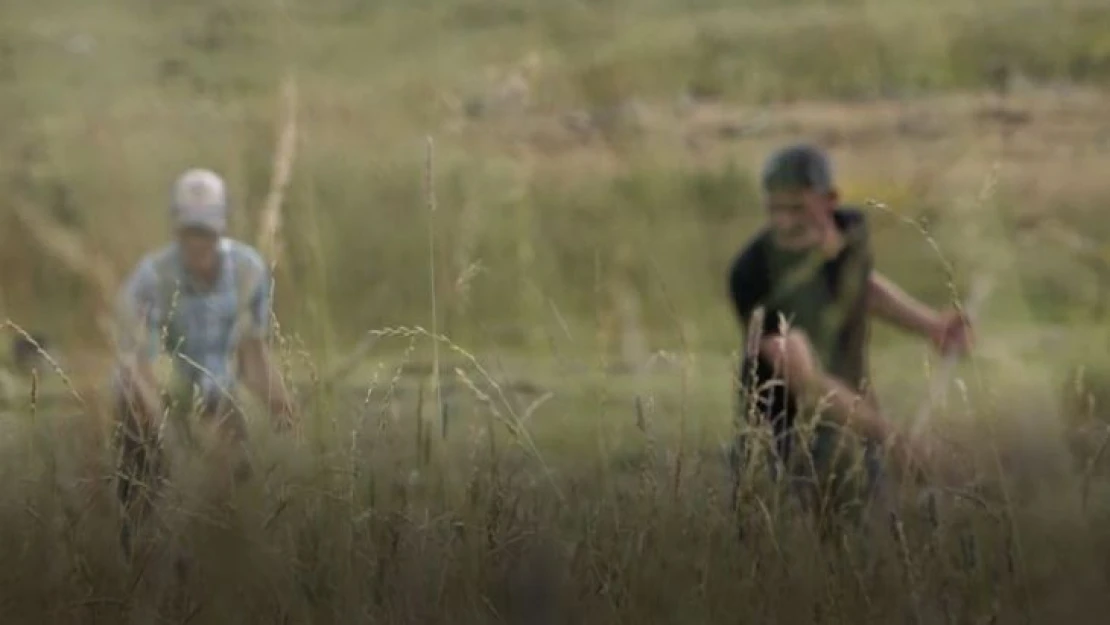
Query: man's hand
(951, 333)
(263, 379)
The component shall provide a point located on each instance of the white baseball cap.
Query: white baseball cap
(200, 201)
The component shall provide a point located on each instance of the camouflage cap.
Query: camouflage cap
(798, 167)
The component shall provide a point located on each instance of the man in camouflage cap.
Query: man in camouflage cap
(810, 275)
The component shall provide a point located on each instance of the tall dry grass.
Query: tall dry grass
(375, 518)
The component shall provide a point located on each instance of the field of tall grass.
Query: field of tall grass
(500, 232)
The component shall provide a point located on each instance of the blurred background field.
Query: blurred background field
(594, 161)
(594, 172)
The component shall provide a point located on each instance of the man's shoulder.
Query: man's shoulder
(851, 217)
(155, 263)
(244, 254)
(752, 257)
(854, 225)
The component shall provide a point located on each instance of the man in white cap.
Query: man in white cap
(205, 300)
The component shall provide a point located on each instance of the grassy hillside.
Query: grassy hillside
(592, 170)
(574, 143)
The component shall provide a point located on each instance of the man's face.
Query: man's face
(799, 219)
(200, 250)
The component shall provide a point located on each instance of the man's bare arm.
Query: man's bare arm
(261, 376)
(893, 305)
(793, 359)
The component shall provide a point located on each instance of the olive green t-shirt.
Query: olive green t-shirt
(824, 297)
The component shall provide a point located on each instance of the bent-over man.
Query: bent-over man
(810, 272)
(205, 300)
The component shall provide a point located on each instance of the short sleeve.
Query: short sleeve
(854, 223)
(257, 292)
(139, 313)
(749, 285)
(260, 306)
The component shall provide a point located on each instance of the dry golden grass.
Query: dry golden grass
(374, 517)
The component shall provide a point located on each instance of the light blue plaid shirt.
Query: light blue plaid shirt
(163, 308)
